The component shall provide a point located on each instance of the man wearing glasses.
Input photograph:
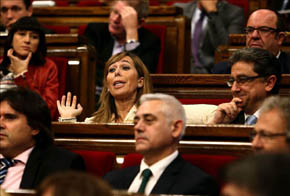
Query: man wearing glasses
(255, 75)
(265, 29)
(270, 131)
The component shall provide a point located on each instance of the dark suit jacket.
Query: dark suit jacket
(180, 177)
(47, 160)
(225, 68)
(240, 119)
(100, 37)
(229, 19)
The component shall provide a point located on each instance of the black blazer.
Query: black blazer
(45, 161)
(100, 37)
(180, 177)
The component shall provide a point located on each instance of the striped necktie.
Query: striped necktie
(251, 120)
(146, 175)
(5, 164)
(196, 39)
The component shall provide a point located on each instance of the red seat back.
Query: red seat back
(87, 3)
(97, 163)
(61, 3)
(159, 31)
(204, 101)
(82, 29)
(59, 29)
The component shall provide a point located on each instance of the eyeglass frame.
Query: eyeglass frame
(263, 135)
(262, 30)
(244, 79)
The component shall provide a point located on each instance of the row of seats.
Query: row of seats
(99, 163)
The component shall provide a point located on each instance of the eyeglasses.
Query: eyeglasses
(241, 80)
(264, 135)
(262, 30)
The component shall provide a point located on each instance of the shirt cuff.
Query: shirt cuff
(131, 46)
(73, 119)
(20, 74)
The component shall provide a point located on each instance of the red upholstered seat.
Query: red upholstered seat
(82, 29)
(209, 163)
(86, 3)
(97, 163)
(154, 3)
(61, 3)
(204, 101)
(159, 31)
(59, 29)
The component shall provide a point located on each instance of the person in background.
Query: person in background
(159, 125)
(27, 153)
(126, 79)
(73, 183)
(12, 10)
(124, 32)
(211, 23)
(270, 131)
(25, 64)
(255, 75)
(265, 29)
(259, 175)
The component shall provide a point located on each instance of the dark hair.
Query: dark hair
(265, 63)
(26, 23)
(73, 183)
(261, 174)
(34, 108)
(27, 3)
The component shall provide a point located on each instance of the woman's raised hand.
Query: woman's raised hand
(68, 108)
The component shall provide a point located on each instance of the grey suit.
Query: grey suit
(229, 19)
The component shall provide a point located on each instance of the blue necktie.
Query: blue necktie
(5, 164)
(196, 39)
(251, 120)
(146, 175)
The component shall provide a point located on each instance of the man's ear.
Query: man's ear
(34, 132)
(270, 83)
(177, 129)
(30, 11)
(281, 36)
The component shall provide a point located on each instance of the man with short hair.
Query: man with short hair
(12, 10)
(264, 174)
(159, 125)
(265, 29)
(123, 32)
(255, 75)
(27, 153)
(211, 23)
(270, 131)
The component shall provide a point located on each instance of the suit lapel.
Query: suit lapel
(168, 177)
(31, 169)
(130, 176)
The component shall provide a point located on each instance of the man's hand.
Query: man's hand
(208, 5)
(130, 22)
(227, 112)
(18, 65)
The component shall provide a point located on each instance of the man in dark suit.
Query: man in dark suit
(124, 32)
(26, 141)
(255, 75)
(265, 29)
(159, 125)
(220, 19)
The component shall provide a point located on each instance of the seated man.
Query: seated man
(255, 75)
(27, 153)
(211, 23)
(274, 122)
(124, 32)
(159, 126)
(259, 175)
(265, 29)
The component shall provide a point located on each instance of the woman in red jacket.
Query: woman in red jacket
(24, 62)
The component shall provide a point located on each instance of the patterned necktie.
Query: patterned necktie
(284, 5)
(196, 39)
(146, 175)
(5, 164)
(251, 120)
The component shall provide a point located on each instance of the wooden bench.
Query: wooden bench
(170, 16)
(202, 139)
(202, 86)
(238, 41)
(81, 74)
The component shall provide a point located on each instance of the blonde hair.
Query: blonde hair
(107, 103)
